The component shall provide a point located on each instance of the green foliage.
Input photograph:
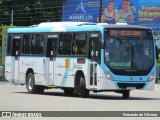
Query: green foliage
(29, 12)
(158, 80)
(157, 37)
(158, 61)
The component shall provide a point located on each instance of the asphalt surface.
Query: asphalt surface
(16, 98)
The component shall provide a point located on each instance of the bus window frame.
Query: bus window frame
(58, 44)
(29, 44)
(37, 54)
(74, 44)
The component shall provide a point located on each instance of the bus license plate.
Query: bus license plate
(131, 88)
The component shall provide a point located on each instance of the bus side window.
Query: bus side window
(26, 44)
(65, 44)
(79, 44)
(37, 44)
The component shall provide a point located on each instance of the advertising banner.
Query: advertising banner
(139, 12)
(149, 14)
(123, 11)
(81, 10)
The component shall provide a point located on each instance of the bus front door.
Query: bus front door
(16, 47)
(94, 57)
(52, 47)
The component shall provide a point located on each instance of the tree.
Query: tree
(29, 12)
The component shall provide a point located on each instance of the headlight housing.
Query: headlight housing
(109, 77)
(152, 76)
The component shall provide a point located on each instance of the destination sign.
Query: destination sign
(128, 32)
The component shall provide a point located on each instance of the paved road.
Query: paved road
(16, 98)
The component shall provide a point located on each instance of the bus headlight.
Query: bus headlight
(109, 77)
(151, 77)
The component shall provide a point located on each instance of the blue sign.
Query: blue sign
(149, 14)
(139, 12)
(81, 10)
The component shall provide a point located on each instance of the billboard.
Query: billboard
(124, 11)
(139, 12)
(81, 10)
(149, 14)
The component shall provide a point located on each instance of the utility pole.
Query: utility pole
(100, 11)
(12, 18)
(9, 3)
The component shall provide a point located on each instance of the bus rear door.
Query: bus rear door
(16, 49)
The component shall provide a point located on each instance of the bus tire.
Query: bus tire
(126, 94)
(83, 91)
(31, 87)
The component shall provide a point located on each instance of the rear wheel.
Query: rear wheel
(83, 91)
(126, 94)
(31, 87)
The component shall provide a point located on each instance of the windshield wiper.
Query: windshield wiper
(140, 39)
(121, 42)
(133, 47)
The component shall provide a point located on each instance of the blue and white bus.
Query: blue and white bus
(80, 57)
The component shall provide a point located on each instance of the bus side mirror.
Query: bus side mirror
(157, 56)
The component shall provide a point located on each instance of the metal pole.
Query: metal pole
(12, 18)
(100, 10)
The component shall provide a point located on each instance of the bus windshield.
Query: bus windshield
(129, 53)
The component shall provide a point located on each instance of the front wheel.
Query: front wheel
(83, 91)
(31, 87)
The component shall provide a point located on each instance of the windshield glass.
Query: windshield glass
(129, 53)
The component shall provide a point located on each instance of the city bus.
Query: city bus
(81, 57)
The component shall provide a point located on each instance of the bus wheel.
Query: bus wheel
(126, 94)
(68, 91)
(31, 87)
(83, 91)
